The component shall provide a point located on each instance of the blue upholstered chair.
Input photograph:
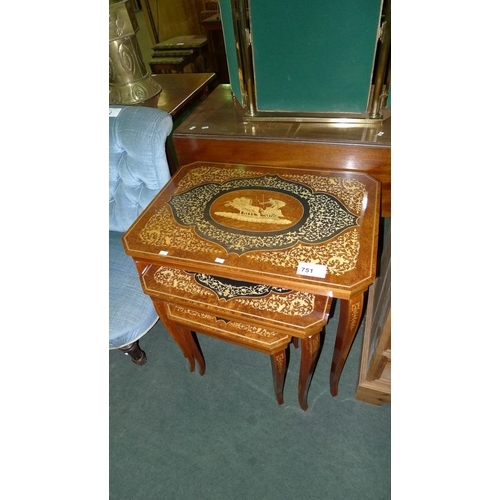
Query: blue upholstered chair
(138, 169)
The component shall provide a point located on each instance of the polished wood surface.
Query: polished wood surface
(201, 221)
(267, 226)
(181, 90)
(219, 131)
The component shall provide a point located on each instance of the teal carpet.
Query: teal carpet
(177, 435)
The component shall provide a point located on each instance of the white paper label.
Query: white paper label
(219, 260)
(163, 252)
(114, 112)
(308, 269)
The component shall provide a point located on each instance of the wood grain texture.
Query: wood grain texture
(173, 18)
(374, 382)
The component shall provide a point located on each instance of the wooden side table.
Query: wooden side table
(197, 43)
(307, 231)
(260, 317)
(180, 91)
(161, 65)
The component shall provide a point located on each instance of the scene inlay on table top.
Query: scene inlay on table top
(258, 223)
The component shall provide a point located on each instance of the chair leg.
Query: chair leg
(135, 352)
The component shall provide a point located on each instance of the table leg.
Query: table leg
(187, 334)
(182, 336)
(350, 316)
(308, 358)
(278, 363)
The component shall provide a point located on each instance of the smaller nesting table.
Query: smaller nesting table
(260, 317)
(169, 64)
(197, 44)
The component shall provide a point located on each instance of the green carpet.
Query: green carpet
(177, 435)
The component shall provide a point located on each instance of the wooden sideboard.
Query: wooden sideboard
(219, 131)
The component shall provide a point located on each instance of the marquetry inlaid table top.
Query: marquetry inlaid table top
(307, 230)
(266, 306)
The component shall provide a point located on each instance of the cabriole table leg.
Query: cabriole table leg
(278, 363)
(309, 356)
(350, 316)
(188, 336)
(188, 348)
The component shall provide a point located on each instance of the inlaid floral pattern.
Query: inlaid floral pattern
(350, 191)
(257, 296)
(276, 219)
(340, 255)
(230, 327)
(162, 231)
(321, 218)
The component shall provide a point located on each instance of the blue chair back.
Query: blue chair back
(138, 166)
